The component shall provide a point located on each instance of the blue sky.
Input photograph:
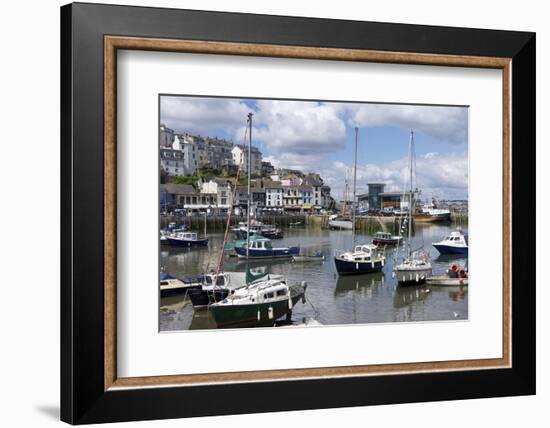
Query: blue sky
(319, 137)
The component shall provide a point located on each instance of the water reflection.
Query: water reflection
(360, 284)
(330, 299)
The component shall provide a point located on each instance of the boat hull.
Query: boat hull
(202, 298)
(340, 224)
(307, 259)
(172, 291)
(254, 253)
(241, 234)
(227, 316)
(448, 249)
(433, 218)
(186, 243)
(409, 276)
(446, 281)
(346, 267)
(379, 241)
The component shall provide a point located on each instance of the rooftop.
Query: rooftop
(177, 189)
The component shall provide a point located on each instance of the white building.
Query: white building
(171, 161)
(240, 157)
(273, 195)
(166, 136)
(219, 153)
(221, 188)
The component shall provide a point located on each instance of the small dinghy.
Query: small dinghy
(455, 276)
(302, 258)
(170, 285)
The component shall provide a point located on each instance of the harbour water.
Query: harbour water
(330, 299)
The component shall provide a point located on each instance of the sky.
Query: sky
(319, 136)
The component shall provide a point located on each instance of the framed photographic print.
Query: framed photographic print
(292, 213)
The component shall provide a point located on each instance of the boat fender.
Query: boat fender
(258, 315)
(372, 264)
(270, 312)
(356, 266)
(417, 278)
(289, 303)
(382, 262)
(393, 274)
(410, 277)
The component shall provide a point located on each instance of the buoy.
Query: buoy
(270, 312)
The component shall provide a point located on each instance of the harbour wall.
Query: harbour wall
(365, 224)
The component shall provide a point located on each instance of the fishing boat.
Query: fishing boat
(366, 258)
(186, 239)
(455, 243)
(260, 247)
(258, 304)
(430, 213)
(170, 285)
(303, 258)
(386, 238)
(416, 265)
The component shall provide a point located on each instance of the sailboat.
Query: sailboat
(365, 258)
(416, 265)
(261, 301)
(342, 222)
(217, 285)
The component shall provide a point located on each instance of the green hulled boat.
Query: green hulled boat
(259, 304)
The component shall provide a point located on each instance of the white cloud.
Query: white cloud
(201, 115)
(441, 176)
(305, 163)
(446, 124)
(299, 127)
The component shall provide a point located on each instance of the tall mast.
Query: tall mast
(346, 191)
(411, 143)
(248, 199)
(354, 189)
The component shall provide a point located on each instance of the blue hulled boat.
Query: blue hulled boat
(363, 259)
(455, 243)
(261, 247)
(186, 239)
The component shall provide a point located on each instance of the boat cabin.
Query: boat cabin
(221, 281)
(188, 236)
(456, 238)
(363, 253)
(260, 244)
(273, 292)
(383, 235)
